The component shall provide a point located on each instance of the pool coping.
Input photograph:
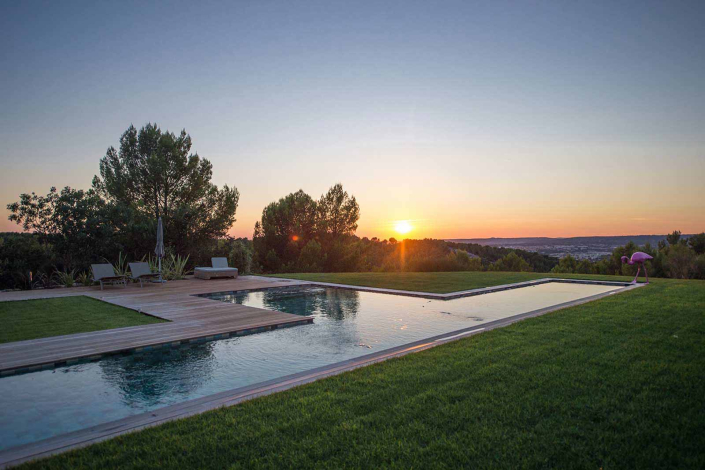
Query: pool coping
(101, 432)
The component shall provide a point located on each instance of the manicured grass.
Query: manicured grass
(615, 383)
(31, 319)
(436, 282)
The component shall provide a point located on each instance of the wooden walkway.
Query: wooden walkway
(190, 319)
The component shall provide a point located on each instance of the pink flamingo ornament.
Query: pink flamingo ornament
(638, 258)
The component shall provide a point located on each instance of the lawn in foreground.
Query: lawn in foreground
(31, 319)
(615, 383)
(441, 283)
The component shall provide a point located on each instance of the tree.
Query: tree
(337, 216)
(154, 173)
(20, 254)
(79, 224)
(585, 267)
(511, 262)
(240, 256)
(285, 227)
(567, 265)
(311, 258)
(680, 261)
(338, 213)
(293, 222)
(697, 243)
(464, 262)
(699, 267)
(674, 237)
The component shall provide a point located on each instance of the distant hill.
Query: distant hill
(579, 247)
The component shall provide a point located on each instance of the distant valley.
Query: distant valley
(592, 248)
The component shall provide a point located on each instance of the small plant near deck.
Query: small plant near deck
(153, 262)
(173, 266)
(121, 267)
(65, 278)
(42, 281)
(84, 278)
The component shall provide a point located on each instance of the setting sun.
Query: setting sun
(403, 227)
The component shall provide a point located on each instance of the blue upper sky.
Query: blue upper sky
(436, 108)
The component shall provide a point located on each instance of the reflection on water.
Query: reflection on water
(337, 304)
(145, 379)
(334, 310)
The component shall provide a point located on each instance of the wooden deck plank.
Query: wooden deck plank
(189, 317)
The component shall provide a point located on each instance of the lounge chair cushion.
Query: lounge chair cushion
(208, 273)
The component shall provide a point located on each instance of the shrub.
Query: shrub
(84, 278)
(240, 256)
(174, 267)
(511, 262)
(566, 265)
(65, 278)
(120, 267)
(680, 261)
(697, 243)
(311, 258)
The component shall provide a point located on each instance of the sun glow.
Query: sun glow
(403, 227)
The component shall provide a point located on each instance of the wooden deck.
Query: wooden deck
(190, 318)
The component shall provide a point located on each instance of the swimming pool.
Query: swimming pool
(347, 324)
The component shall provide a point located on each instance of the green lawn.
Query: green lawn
(31, 319)
(615, 383)
(437, 282)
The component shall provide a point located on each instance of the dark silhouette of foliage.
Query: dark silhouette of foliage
(673, 237)
(20, 255)
(491, 254)
(154, 174)
(338, 213)
(697, 243)
(79, 225)
(293, 222)
(511, 262)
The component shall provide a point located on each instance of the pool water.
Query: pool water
(347, 324)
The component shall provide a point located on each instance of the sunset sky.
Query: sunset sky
(466, 119)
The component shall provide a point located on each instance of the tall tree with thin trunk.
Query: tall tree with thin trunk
(155, 173)
(338, 213)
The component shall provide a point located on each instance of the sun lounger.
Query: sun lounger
(220, 269)
(105, 274)
(142, 272)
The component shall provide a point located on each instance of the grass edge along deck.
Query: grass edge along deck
(85, 437)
